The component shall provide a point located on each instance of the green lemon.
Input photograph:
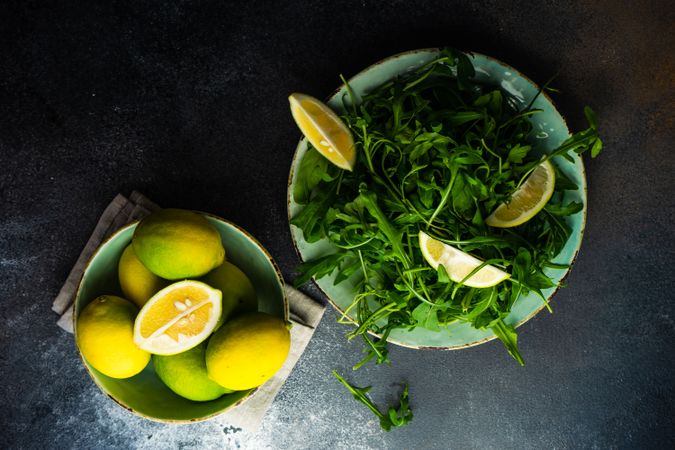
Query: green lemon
(185, 374)
(247, 351)
(137, 282)
(238, 291)
(105, 337)
(178, 244)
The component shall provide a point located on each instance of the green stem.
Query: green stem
(509, 338)
(445, 196)
(394, 236)
(359, 395)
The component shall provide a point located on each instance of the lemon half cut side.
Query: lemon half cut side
(178, 318)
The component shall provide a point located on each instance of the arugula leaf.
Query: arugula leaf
(590, 117)
(375, 349)
(426, 316)
(443, 276)
(394, 418)
(565, 210)
(311, 218)
(462, 195)
(509, 338)
(318, 268)
(563, 182)
(369, 200)
(313, 169)
(518, 153)
(461, 117)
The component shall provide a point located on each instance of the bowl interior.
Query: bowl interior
(551, 130)
(145, 394)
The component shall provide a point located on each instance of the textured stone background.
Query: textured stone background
(186, 102)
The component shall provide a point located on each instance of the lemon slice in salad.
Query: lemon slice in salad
(459, 264)
(324, 130)
(527, 201)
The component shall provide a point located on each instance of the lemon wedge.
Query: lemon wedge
(459, 264)
(324, 130)
(527, 201)
(177, 318)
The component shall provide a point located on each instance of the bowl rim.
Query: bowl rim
(278, 275)
(342, 313)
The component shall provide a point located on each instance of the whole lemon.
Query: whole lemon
(105, 336)
(137, 282)
(238, 291)
(178, 244)
(247, 351)
(185, 374)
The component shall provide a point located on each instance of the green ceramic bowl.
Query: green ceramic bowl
(145, 394)
(551, 131)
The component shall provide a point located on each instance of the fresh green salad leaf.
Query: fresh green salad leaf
(312, 170)
(394, 418)
(437, 152)
(509, 338)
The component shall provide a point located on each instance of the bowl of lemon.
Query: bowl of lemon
(181, 316)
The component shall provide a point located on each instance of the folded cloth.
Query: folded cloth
(305, 313)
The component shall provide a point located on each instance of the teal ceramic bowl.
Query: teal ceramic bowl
(551, 130)
(145, 394)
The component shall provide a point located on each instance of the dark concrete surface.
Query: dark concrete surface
(186, 102)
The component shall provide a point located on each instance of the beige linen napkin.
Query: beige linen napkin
(305, 313)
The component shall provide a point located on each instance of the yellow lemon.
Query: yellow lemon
(324, 130)
(105, 337)
(137, 282)
(527, 201)
(177, 318)
(185, 374)
(459, 264)
(247, 351)
(238, 291)
(176, 244)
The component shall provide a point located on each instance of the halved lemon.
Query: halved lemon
(177, 318)
(527, 201)
(459, 264)
(324, 130)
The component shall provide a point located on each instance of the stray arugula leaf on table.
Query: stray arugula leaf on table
(394, 418)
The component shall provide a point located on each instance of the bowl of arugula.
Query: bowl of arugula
(442, 138)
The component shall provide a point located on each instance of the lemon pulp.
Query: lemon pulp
(527, 201)
(459, 264)
(178, 318)
(324, 130)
